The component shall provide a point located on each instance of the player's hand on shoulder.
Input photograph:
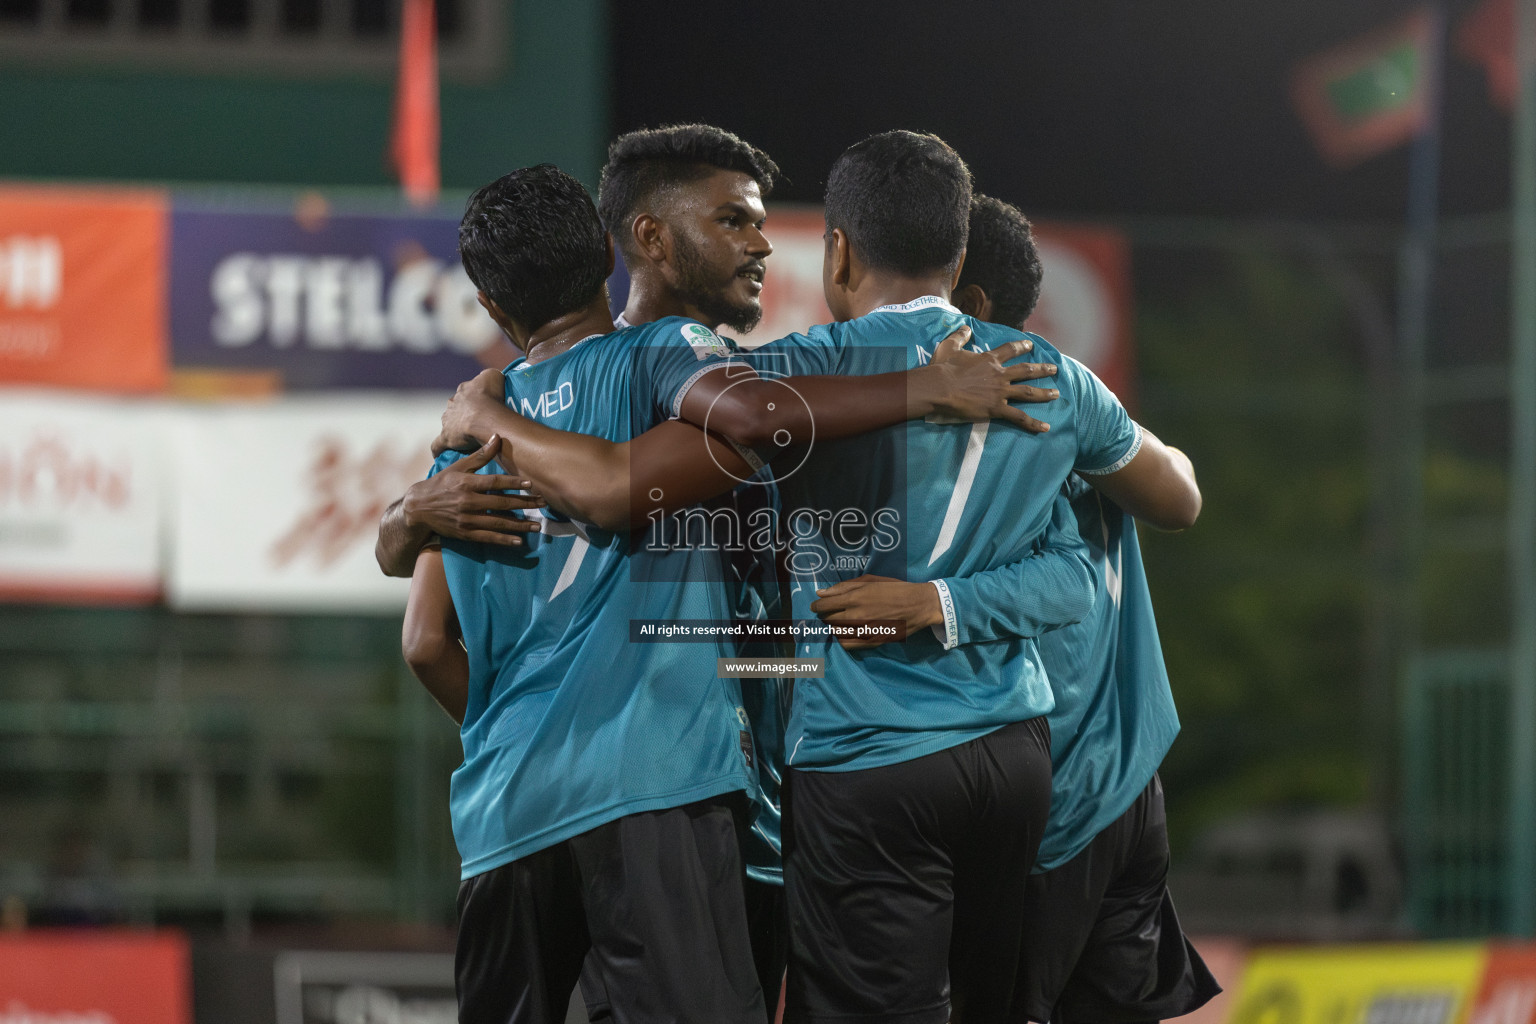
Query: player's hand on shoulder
(465, 505)
(462, 429)
(979, 386)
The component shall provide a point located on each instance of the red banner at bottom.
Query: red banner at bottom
(96, 977)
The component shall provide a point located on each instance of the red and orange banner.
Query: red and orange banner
(83, 289)
(123, 977)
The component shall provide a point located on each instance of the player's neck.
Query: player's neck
(567, 329)
(881, 288)
(651, 299)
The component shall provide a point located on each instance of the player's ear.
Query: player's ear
(608, 241)
(649, 235)
(839, 258)
(972, 301)
(489, 305)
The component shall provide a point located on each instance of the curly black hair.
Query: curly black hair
(640, 162)
(1002, 259)
(903, 200)
(532, 242)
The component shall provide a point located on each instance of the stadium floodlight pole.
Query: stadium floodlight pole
(1415, 276)
(1521, 892)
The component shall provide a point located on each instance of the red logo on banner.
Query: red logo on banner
(82, 289)
(101, 978)
(1085, 301)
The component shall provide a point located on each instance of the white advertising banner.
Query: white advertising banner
(278, 504)
(80, 497)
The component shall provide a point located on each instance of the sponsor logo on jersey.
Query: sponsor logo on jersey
(704, 342)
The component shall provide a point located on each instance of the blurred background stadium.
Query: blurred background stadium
(1286, 234)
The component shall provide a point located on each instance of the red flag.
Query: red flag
(1487, 36)
(1369, 95)
(415, 142)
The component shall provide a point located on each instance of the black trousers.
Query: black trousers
(654, 897)
(906, 882)
(767, 930)
(1102, 942)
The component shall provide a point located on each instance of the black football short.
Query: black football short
(1102, 943)
(904, 882)
(767, 930)
(656, 899)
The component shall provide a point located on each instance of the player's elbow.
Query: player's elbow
(1080, 591)
(1181, 511)
(388, 563)
(424, 645)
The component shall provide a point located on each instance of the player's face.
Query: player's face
(719, 248)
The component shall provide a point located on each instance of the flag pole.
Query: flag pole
(1415, 274)
(1521, 893)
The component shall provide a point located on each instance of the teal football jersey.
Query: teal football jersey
(570, 723)
(928, 501)
(1114, 718)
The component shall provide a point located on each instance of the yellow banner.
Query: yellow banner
(1378, 984)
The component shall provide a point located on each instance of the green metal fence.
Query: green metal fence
(157, 767)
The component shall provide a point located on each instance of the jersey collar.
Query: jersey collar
(921, 302)
(521, 362)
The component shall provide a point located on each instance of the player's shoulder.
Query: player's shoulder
(987, 335)
(676, 331)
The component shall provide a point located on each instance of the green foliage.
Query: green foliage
(1253, 370)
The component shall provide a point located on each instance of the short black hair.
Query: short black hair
(903, 200)
(1002, 259)
(531, 241)
(641, 162)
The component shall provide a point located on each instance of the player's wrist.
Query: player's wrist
(411, 512)
(925, 389)
(928, 609)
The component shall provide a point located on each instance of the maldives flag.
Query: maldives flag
(1371, 94)
(415, 143)
(1487, 36)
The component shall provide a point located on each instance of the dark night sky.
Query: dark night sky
(1088, 108)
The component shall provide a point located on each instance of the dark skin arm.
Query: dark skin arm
(429, 639)
(1157, 487)
(673, 465)
(457, 503)
(759, 412)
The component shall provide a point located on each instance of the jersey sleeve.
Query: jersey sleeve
(813, 354)
(443, 461)
(1051, 588)
(671, 358)
(1107, 437)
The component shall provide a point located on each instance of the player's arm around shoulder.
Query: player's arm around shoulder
(429, 637)
(457, 502)
(1157, 486)
(1126, 462)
